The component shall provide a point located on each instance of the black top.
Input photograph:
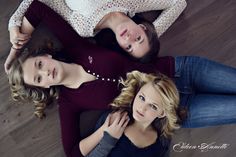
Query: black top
(123, 147)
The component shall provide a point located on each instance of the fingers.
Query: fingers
(6, 67)
(16, 46)
(18, 39)
(123, 119)
(119, 124)
(120, 118)
(21, 42)
(22, 36)
(126, 123)
(116, 117)
(10, 58)
(107, 120)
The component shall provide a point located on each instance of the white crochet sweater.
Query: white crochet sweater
(84, 15)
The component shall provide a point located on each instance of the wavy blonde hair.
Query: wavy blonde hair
(164, 86)
(20, 91)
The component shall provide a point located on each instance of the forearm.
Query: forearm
(16, 18)
(89, 143)
(40, 13)
(168, 16)
(104, 147)
(26, 27)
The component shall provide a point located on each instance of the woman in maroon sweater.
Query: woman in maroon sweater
(91, 83)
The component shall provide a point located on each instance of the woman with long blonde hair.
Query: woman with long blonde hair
(145, 121)
(207, 88)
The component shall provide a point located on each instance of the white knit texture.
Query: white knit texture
(84, 15)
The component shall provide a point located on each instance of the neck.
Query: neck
(75, 76)
(112, 20)
(143, 127)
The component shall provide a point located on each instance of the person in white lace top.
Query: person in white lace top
(90, 16)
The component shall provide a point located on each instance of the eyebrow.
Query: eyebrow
(35, 67)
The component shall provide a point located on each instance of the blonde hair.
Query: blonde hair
(20, 91)
(166, 89)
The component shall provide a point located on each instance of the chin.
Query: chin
(136, 117)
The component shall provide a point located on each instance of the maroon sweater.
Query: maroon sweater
(107, 65)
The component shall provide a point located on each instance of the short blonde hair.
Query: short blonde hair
(164, 86)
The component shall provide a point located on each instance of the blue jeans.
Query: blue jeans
(207, 89)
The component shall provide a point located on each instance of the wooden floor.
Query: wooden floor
(207, 28)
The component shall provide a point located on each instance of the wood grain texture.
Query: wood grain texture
(206, 28)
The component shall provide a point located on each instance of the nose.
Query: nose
(45, 72)
(129, 36)
(143, 108)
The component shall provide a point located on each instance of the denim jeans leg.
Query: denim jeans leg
(204, 86)
(210, 110)
(207, 76)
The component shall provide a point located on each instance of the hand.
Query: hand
(12, 55)
(17, 38)
(117, 127)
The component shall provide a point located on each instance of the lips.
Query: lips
(140, 113)
(123, 33)
(53, 73)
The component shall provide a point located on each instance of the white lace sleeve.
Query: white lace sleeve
(57, 5)
(16, 18)
(169, 15)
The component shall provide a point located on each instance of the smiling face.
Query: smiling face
(42, 71)
(147, 105)
(132, 38)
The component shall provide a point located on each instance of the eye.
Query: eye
(141, 98)
(40, 64)
(39, 79)
(154, 107)
(138, 38)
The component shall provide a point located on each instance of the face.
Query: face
(132, 38)
(42, 71)
(147, 105)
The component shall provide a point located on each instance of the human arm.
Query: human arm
(15, 21)
(169, 15)
(57, 5)
(17, 17)
(18, 38)
(26, 29)
(70, 131)
(39, 13)
(171, 9)
(101, 142)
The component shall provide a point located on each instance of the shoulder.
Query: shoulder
(102, 118)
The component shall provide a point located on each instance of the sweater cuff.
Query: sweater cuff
(109, 139)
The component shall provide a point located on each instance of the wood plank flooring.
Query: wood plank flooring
(207, 28)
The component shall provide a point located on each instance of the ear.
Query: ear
(143, 26)
(162, 115)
